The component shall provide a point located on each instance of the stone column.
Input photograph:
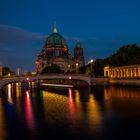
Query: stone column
(132, 72)
(120, 73)
(138, 72)
(114, 73)
(135, 72)
(117, 73)
(127, 72)
(124, 72)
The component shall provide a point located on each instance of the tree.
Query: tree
(6, 71)
(124, 56)
(54, 68)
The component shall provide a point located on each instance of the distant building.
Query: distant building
(132, 71)
(78, 55)
(56, 51)
(18, 71)
(4, 71)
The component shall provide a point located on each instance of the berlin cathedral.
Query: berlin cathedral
(56, 51)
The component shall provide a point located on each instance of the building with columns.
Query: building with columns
(132, 71)
(56, 51)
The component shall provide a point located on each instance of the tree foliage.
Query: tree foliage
(51, 69)
(124, 56)
(6, 71)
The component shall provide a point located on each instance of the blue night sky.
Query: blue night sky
(102, 26)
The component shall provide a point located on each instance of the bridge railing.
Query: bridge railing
(43, 76)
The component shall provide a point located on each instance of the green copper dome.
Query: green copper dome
(55, 39)
(78, 45)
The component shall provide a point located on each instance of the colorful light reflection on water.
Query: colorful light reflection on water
(29, 111)
(88, 113)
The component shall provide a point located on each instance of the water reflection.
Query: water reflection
(99, 112)
(55, 107)
(122, 93)
(18, 89)
(10, 90)
(122, 101)
(78, 107)
(28, 111)
(94, 114)
(72, 109)
(3, 128)
(85, 113)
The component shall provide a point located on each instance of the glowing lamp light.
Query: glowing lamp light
(69, 77)
(91, 60)
(27, 93)
(27, 78)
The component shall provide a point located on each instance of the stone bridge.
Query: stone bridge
(6, 81)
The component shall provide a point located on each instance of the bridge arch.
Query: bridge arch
(67, 77)
(41, 77)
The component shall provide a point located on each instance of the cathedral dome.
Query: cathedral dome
(55, 39)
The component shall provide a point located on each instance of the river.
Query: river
(96, 113)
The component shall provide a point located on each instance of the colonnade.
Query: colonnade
(132, 71)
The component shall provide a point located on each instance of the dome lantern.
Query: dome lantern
(54, 28)
(55, 38)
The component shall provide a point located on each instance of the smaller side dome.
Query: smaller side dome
(78, 45)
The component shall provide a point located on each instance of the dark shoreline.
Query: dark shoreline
(115, 81)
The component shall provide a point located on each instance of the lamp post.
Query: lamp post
(69, 67)
(91, 66)
(9, 74)
(91, 61)
(77, 68)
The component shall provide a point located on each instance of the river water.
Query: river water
(97, 113)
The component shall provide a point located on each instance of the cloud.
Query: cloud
(17, 36)
(19, 47)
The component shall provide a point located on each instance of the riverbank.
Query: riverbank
(127, 82)
(115, 81)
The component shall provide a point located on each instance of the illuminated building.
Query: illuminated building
(56, 51)
(132, 71)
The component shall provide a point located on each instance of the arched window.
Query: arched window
(56, 53)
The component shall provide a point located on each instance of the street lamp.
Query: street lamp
(76, 67)
(91, 61)
(91, 66)
(68, 67)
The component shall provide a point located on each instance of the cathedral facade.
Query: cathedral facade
(56, 51)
